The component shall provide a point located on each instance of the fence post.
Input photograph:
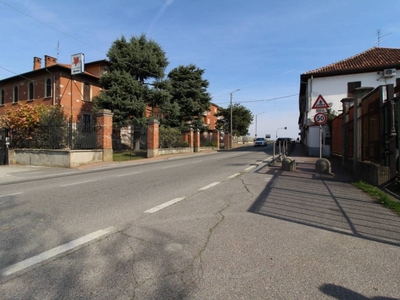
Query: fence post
(153, 138)
(104, 120)
(197, 140)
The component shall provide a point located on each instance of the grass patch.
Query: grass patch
(379, 195)
(129, 155)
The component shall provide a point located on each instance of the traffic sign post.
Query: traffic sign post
(320, 117)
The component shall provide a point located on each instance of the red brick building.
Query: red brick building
(53, 84)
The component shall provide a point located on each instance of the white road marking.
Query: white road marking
(174, 166)
(196, 162)
(234, 175)
(164, 205)
(37, 259)
(75, 183)
(128, 174)
(2, 196)
(249, 168)
(208, 186)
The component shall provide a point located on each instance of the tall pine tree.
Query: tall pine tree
(189, 97)
(133, 64)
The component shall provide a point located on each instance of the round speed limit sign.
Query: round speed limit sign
(320, 118)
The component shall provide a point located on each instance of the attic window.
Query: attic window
(351, 86)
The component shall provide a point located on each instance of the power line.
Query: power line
(264, 100)
(52, 27)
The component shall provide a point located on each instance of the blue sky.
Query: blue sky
(258, 46)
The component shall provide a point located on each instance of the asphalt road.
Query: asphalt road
(183, 228)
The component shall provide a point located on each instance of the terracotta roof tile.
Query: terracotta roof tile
(372, 59)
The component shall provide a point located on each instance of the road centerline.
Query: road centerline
(208, 186)
(164, 205)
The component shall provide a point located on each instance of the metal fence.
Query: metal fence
(65, 136)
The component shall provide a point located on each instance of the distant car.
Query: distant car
(260, 142)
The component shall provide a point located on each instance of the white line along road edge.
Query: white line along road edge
(37, 259)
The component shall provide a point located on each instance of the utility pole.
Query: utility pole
(231, 133)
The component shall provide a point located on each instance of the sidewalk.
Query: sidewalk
(324, 201)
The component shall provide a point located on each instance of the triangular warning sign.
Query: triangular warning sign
(320, 103)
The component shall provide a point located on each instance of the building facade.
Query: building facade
(52, 84)
(371, 68)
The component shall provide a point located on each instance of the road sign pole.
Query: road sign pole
(320, 141)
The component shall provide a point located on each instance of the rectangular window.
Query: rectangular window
(15, 94)
(86, 92)
(86, 123)
(30, 91)
(48, 88)
(351, 86)
(2, 97)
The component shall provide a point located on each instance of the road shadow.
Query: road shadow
(320, 201)
(342, 293)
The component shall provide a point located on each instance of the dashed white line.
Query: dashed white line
(208, 186)
(249, 168)
(234, 175)
(37, 259)
(164, 205)
(128, 174)
(75, 183)
(174, 166)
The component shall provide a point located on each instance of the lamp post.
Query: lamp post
(256, 123)
(231, 135)
(276, 135)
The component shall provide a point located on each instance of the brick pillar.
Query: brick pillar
(190, 138)
(153, 138)
(104, 120)
(196, 141)
(217, 138)
(345, 139)
(227, 141)
(359, 93)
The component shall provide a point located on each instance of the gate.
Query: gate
(3, 147)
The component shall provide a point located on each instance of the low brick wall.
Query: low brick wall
(56, 158)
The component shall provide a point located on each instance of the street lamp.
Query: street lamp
(231, 135)
(276, 135)
(256, 122)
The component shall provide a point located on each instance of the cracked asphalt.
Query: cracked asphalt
(266, 234)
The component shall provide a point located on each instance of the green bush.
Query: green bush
(171, 138)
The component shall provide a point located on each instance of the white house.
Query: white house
(371, 68)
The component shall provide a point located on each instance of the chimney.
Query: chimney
(37, 63)
(49, 61)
